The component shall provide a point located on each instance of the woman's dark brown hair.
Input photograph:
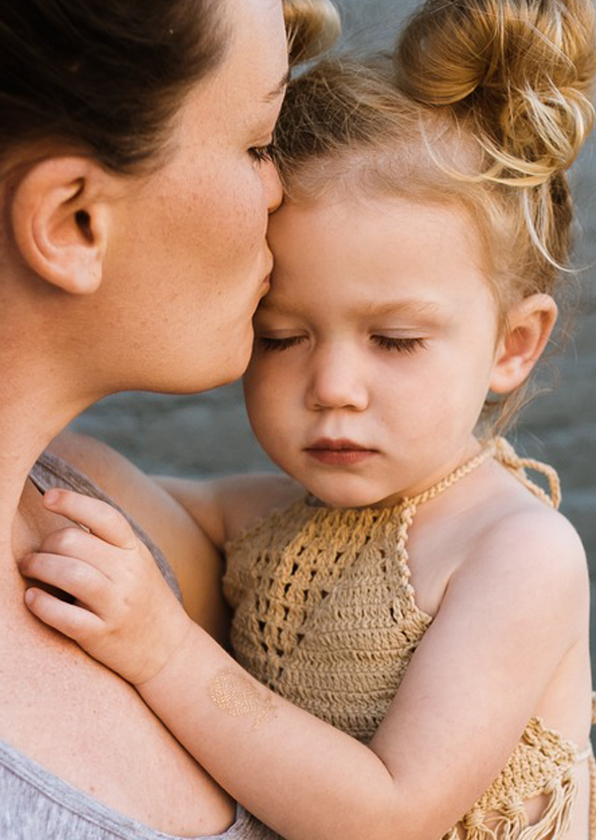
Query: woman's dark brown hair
(104, 75)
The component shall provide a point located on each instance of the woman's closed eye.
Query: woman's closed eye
(402, 344)
(263, 154)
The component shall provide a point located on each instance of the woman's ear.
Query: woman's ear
(528, 327)
(60, 222)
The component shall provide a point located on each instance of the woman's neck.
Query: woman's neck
(33, 410)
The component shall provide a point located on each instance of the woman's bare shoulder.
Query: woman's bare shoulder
(120, 479)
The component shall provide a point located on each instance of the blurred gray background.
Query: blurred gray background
(209, 434)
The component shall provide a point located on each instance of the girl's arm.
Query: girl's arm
(517, 609)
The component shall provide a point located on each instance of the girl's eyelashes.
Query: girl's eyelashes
(263, 154)
(401, 345)
(276, 344)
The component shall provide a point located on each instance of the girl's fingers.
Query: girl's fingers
(99, 517)
(71, 620)
(84, 582)
(75, 542)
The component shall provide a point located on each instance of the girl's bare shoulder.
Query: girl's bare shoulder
(527, 551)
(520, 523)
(507, 548)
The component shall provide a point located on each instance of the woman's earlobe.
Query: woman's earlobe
(59, 223)
(527, 331)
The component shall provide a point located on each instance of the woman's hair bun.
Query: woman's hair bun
(519, 72)
(313, 26)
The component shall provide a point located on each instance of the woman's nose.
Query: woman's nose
(273, 189)
(337, 382)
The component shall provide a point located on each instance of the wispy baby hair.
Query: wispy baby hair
(484, 104)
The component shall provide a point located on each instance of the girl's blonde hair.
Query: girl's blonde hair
(312, 26)
(483, 104)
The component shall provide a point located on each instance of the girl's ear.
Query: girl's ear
(60, 222)
(527, 330)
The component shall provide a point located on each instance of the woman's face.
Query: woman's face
(188, 260)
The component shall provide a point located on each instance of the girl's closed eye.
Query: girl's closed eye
(400, 344)
(270, 344)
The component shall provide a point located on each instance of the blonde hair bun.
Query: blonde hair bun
(313, 26)
(520, 71)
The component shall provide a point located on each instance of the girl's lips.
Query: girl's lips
(339, 452)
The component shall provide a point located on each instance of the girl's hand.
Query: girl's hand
(124, 614)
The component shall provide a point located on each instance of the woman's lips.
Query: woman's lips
(263, 289)
(339, 452)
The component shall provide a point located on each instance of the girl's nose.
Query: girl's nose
(337, 382)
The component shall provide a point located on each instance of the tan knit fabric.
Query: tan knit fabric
(324, 614)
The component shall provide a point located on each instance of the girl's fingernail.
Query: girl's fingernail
(51, 497)
(29, 596)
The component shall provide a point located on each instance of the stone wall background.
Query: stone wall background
(209, 434)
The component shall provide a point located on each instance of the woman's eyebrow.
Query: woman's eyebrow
(280, 89)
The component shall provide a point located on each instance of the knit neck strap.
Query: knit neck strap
(504, 453)
(487, 451)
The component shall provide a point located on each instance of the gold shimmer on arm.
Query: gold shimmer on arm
(238, 696)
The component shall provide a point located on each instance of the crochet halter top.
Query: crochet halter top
(325, 615)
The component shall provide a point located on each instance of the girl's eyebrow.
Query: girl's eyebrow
(412, 307)
(423, 310)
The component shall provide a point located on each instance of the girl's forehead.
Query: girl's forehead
(376, 258)
(338, 211)
(380, 235)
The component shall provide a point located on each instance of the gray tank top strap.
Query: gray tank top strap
(51, 471)
(36, 805)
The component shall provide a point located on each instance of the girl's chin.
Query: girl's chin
(351, 500)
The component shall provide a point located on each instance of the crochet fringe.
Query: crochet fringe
(512, 822)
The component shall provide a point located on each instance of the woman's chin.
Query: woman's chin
(223, 370)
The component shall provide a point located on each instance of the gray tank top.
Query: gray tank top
(35, 804)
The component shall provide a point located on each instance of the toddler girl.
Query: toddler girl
(412, 606)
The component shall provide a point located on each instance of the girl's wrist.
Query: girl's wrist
(165, 655)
